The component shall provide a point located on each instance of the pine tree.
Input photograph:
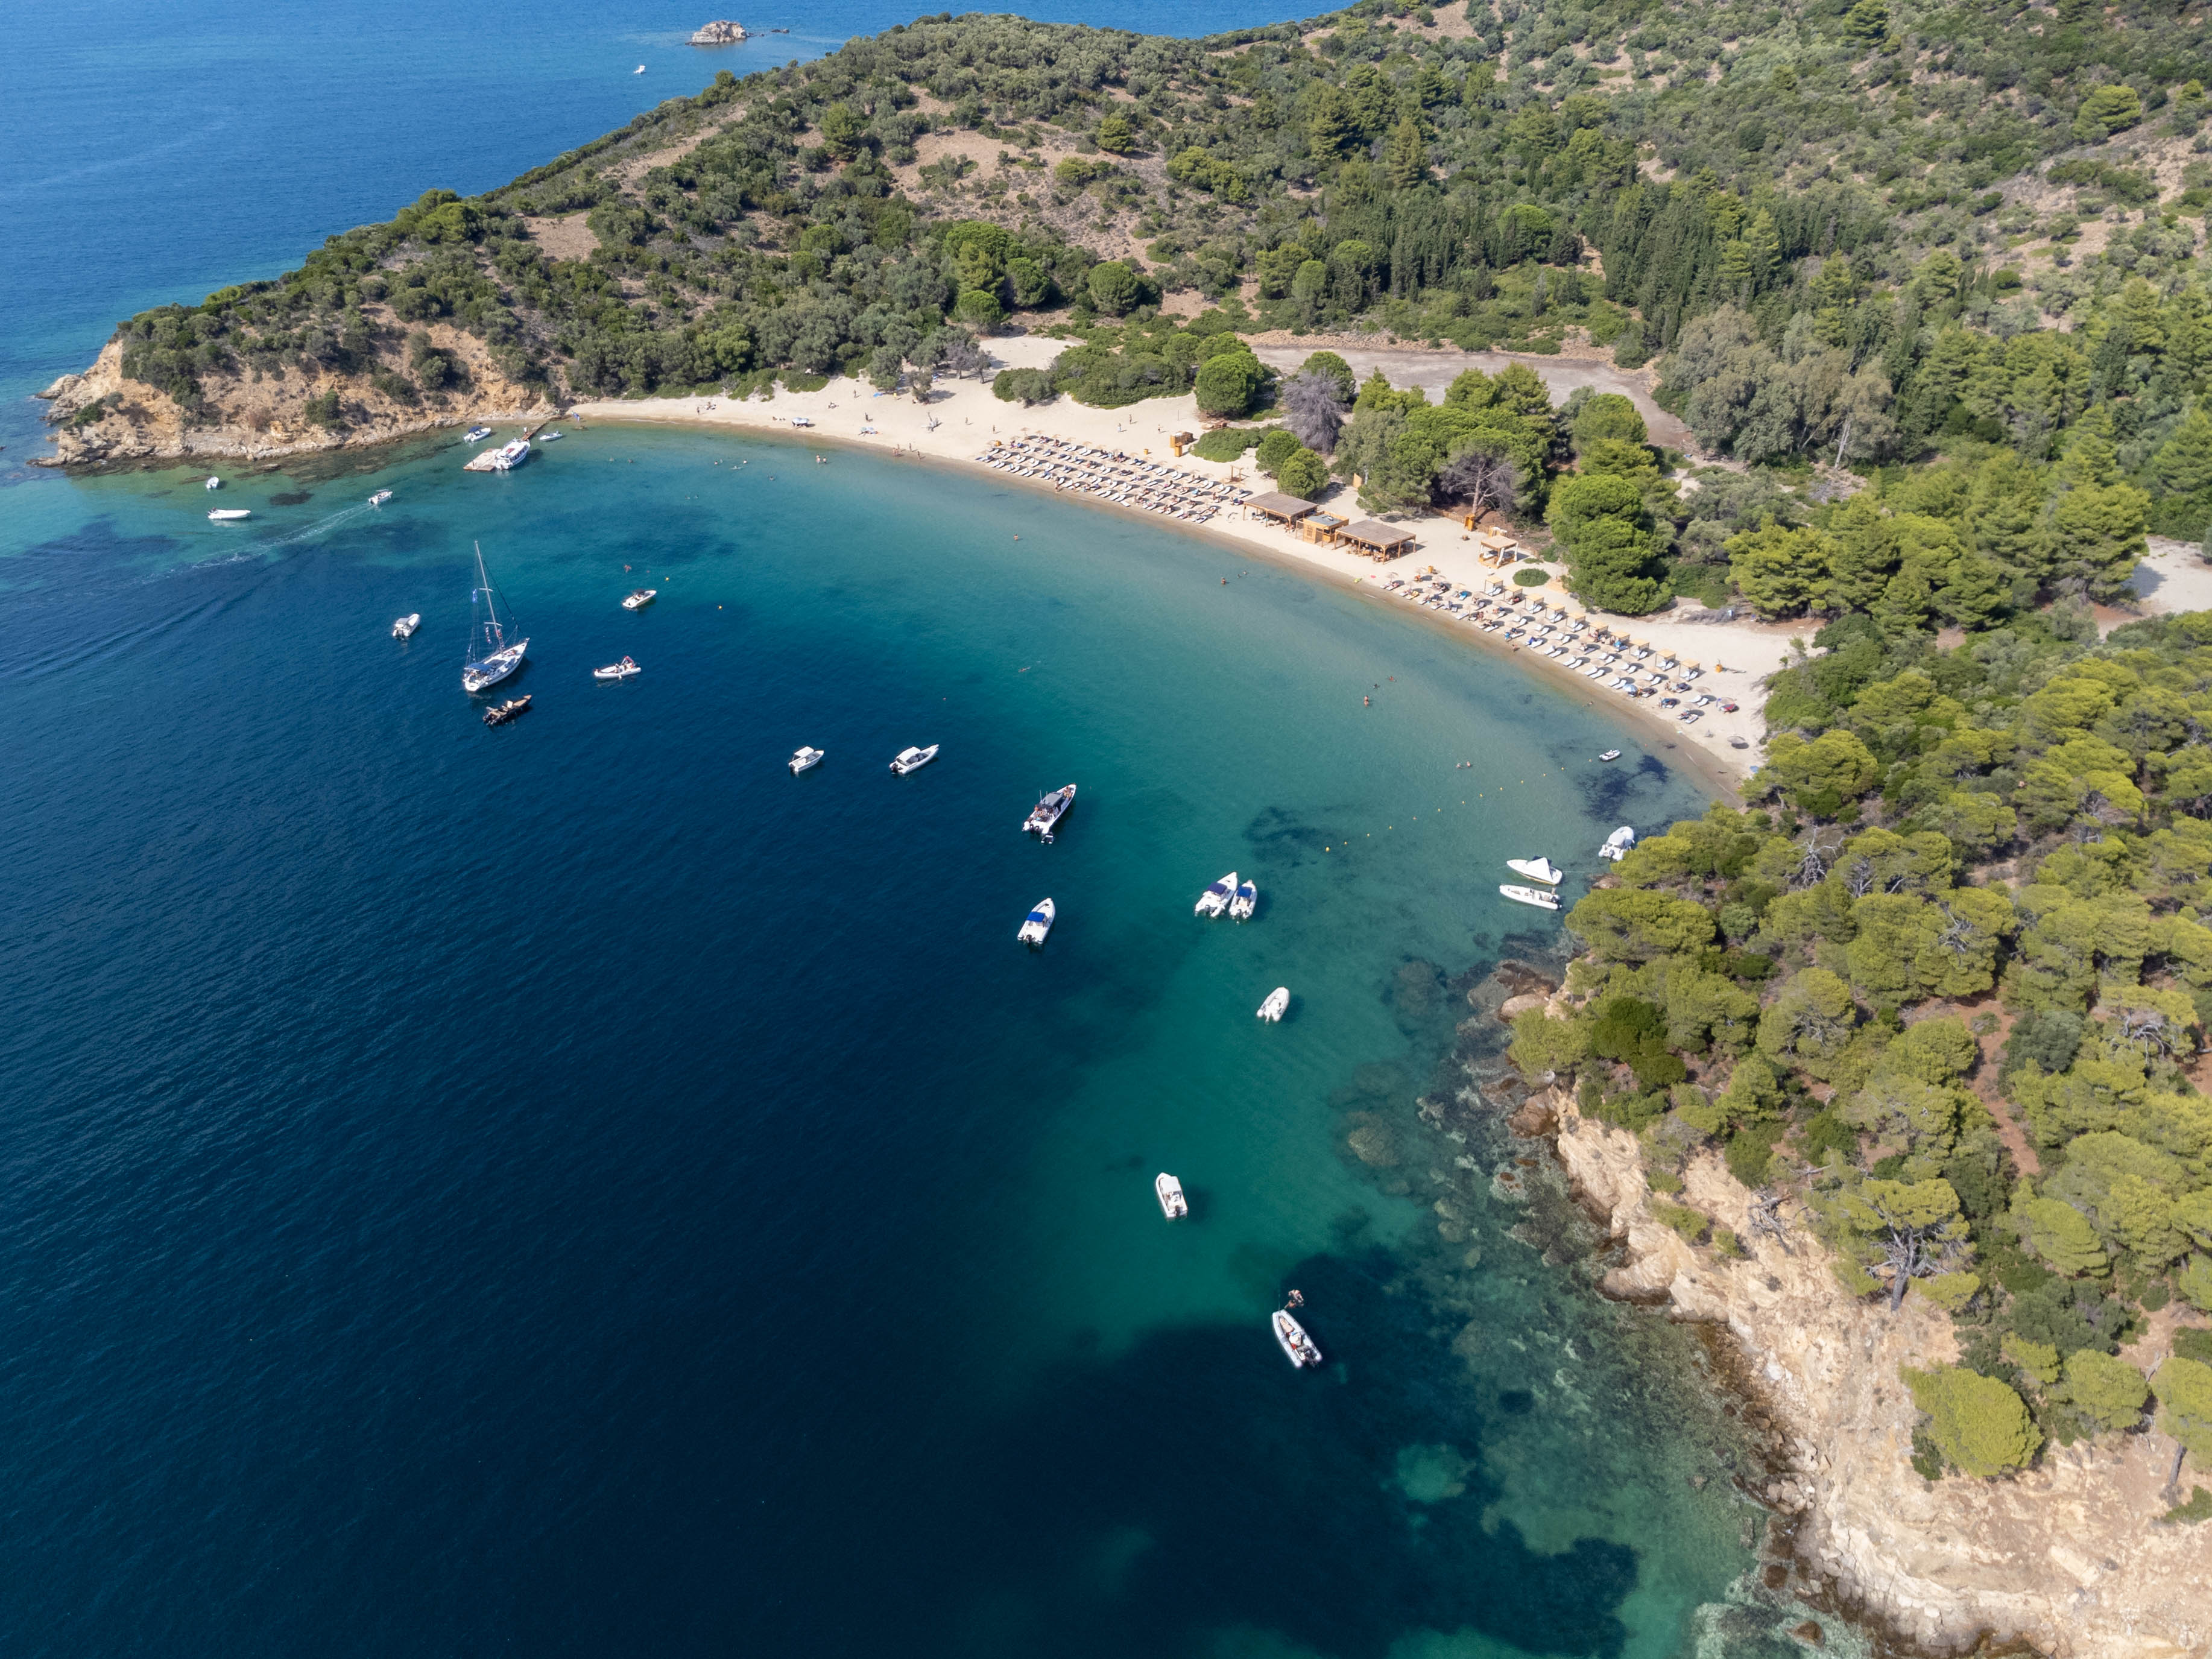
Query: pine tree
(1408, 160)
(1864, 555)
(2095, 533)
(2004, 514)
(2183, 465)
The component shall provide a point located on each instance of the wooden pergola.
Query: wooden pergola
(1285, 510)
(1377, 540)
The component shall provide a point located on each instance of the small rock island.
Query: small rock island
(719, 32)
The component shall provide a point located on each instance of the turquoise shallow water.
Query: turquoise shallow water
(578, 1188)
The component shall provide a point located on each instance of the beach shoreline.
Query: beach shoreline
(964, 420)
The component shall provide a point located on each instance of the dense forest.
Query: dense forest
(1949, 977)
(1863, 236)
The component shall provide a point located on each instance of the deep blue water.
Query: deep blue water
(579, 1189)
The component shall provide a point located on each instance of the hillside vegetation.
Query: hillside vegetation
(1867, 234)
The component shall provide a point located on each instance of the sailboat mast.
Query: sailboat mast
(492, 634)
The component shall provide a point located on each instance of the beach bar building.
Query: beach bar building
(1285, 510)
(1376, 539)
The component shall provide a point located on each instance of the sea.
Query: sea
(579, 1189)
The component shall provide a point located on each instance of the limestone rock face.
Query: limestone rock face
(100, 416)
(719, 32)
(2066, 1557)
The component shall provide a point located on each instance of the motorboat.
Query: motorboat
(617, 670)
(1610, 755)
(230, 515)
(215, 483)
(640, 69)
(1297, 1345)
(492, 657)
(1543, 897)
(511, 709)
(1617, 844)
(1214, 901)
(1038, 924)
(1170, 1194)
(913, 760)
(1537, 869)
(1279, 1000)
(505, 458)
(379, 498)
(640, 598)
(405, 626)
(804, 760)
(548, 437)
(1245, 902)
(1048, 811)
(476, 435)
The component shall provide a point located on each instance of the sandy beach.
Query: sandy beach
(963, 420)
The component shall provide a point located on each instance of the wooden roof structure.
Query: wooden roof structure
(1372, 536)
(1276, 505)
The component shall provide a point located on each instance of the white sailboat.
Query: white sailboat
(1170, 1197)
(492, 656)
(1214, 901)
(1537, 869)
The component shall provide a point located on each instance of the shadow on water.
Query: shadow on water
(1343, 1509)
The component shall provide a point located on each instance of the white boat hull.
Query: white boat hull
(1278, 1004)
(405, 626)
(913, 760)
(1298, 1347)
(617, 670)
(1247, 901)
(1541, 898)
(1214, 901)
(1541, 870)
(805, 760)
(482, 676)
(1169, 1190)
(230, 515)
(1618, 844)
(1039, 924)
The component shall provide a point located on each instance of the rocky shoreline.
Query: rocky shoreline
(2066, 1558)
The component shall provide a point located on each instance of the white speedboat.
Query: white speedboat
(1279, 999)
(548, 437)
(1171, 1199)
(639, 598)
(1537, 869)
(1245, 902)
(617, 670)
(1617, 844)
(492, 657)
(1039, 923)
(505, 458)
(1297, 1346)
(228, 514)
(640, 69)
(1610, 755)
(215, 483)
(1543, 897)
(405, 626)
(1048, 811)
(913, 760)
(379, 498)
(476, 435)
(804, 760)
(1214, 901)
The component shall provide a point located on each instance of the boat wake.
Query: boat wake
(321, 526)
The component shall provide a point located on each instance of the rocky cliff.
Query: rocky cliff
(2068, 1557)
(100, 417)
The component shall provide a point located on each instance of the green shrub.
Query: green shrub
(1532, 578)
(795, 381)
(1664, 1180)
(2198, 1508)
(1981, 1427)
(1224, 444)
(1302, 473)
(1022, 386)
(324, 409)
(1689, 1223)
(1276, 445)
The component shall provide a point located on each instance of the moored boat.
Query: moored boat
(1537, 869)
(1543, 897)
(1245, 902)
(1277, 1002)
(492, 657)
(1170, 1197)
(803, 759)
(638, 599)
(1297, 1346)
(913, 760)
(1048, 811)
(476, 435)
(1610, 755)
(505, 458)
(1038, 924)
(1214, 901)
(405, 626)
(227, 514)
(1618, 844)
(506, 711)
(617, 670)
(215, 483)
